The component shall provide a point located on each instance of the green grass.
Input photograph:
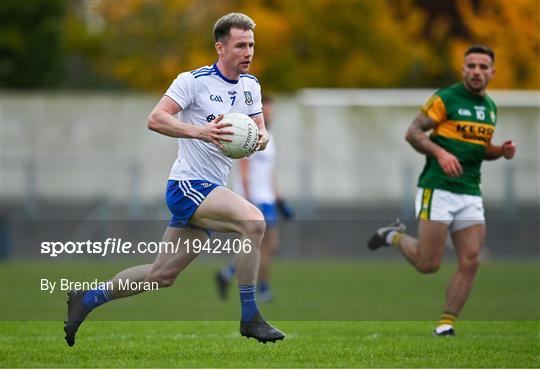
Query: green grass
(308, 344)
(335, 313)
(308, 290)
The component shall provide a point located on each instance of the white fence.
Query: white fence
(335, 147)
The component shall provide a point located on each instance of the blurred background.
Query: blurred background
(79, 78)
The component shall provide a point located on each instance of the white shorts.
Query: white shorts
(458, 211)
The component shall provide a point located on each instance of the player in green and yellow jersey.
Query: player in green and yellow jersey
(462, 119)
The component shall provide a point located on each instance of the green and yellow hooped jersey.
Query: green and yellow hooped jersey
(465, 124)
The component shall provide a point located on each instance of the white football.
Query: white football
(244, 138)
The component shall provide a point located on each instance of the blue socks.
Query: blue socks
(264, 287)
(247, 299)
(96, 297)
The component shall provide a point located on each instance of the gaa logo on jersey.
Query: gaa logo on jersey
(210, 117)
(216, 98)
(464, 112)
(249, 98)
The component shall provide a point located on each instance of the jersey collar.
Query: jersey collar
(218, 72)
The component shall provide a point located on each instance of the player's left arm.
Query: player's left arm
(506, 150)
(263, 134)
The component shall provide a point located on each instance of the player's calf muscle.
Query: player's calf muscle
(164, 280)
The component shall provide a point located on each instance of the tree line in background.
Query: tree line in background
(143, 45)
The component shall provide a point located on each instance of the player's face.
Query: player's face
(237, 51)
(478, 70)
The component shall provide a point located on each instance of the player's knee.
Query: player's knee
(255, 228)
(428, 267)
(470, 263)
(255, 225)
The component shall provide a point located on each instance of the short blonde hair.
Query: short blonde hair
(222, 28)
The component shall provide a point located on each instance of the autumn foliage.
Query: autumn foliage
(144, 44)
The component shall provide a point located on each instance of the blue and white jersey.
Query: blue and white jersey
(260, 175)
(204, 94)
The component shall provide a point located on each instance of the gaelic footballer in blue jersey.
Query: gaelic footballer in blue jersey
(191, 111)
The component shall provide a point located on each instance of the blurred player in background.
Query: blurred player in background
(463, 119)
(191, 110)
(256, 181)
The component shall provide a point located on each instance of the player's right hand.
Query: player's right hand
(263, 140)
(214, 132)
(449, 164)
(285, 209)
(508, 149)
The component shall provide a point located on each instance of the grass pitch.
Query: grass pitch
(326, 344)
(335, 314)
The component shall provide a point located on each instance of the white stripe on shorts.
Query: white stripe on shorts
(195, 192)
(186, 194)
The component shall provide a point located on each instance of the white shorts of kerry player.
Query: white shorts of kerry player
(458, 211)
